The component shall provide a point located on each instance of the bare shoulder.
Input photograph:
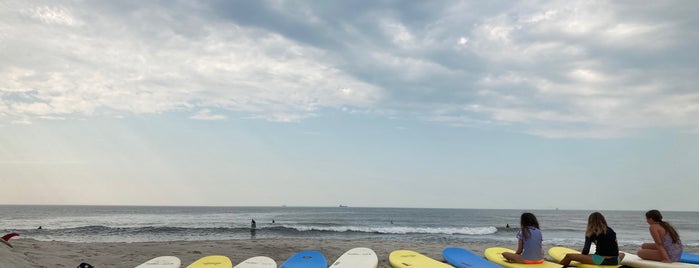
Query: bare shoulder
(657, 228)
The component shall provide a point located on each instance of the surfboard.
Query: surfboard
(558, 253)
(162, 262)
(412, 259)
(213, 261)
(689, 258)
(494, 254)
(357, 258)
(636, 262)
(462, 258)
(306, 259)
(9, 236)
(258, 262)
(6, 243)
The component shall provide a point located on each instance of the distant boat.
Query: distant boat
(343, 206)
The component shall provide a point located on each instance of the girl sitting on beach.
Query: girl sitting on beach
(667, 246)
(607, 249)
(529, 250)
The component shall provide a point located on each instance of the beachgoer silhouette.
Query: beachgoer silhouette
(253, 224)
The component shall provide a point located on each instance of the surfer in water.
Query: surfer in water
(253, 228)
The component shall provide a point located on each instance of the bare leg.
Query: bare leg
(512, 257)
(650, 254)
(649, 246)
(581, 258)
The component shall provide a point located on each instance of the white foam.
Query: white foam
(402, 230)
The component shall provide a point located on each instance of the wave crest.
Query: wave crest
(399, 230)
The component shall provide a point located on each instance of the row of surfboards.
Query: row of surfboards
(453, 257)
(558, 253)
(354, 258)
(462, 258)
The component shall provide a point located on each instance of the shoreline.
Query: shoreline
(34, 253)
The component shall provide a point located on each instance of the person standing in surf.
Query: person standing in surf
(607, 248)
(529, 239)
(253, 228)
(667, 246)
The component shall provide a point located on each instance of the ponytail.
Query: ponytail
(657, 217)
(671, 231)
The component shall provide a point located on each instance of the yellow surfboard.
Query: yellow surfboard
(495, 255)
(558, 253)
(214, 261)
(412, 259)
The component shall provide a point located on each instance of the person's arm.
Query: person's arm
(655, 232)
(586, 247)
(520, 244)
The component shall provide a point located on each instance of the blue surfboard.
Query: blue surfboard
(306, 259)
(689, 258)
(462, 258)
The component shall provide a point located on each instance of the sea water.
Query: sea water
(139, 224)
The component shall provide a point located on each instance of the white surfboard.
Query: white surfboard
(162, 262)
(258, 262)
(357, 258)
(636, 262)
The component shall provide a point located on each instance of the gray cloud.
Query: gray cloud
(555, 69)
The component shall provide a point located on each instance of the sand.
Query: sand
(33, 253)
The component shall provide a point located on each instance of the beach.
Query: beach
(123, 236)
(34, 253)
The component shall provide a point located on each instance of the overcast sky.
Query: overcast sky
(468, 104)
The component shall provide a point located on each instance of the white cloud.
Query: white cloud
(53, 15)
(463, 40)
(205, 114)
(106, 67)
(399, 34)
(587, 76)
(533, 68)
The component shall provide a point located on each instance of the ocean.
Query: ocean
(140, 224)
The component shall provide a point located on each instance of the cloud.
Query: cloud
(553, 69)
(205, 114)
(138, 63)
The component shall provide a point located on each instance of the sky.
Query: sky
(447, 104)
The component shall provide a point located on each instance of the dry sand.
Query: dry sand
(33, 253)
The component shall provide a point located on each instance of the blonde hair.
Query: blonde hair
(596, 225)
